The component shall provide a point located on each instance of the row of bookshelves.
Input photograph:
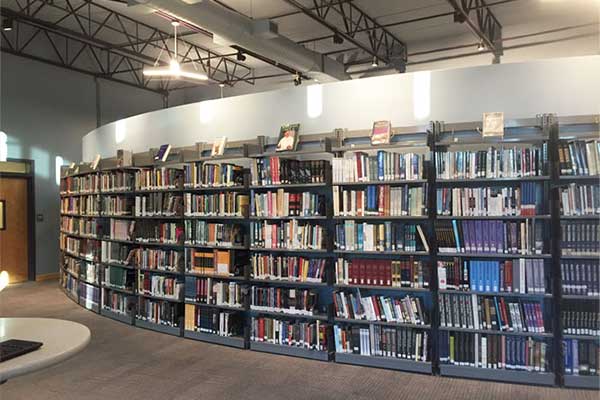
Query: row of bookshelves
(386, 223)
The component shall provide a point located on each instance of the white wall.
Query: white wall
(45, 111)
(569, 86)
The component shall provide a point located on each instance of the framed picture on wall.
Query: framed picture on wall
(288, 137)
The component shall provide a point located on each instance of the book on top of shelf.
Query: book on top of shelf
(163, 153)
(381, 132)
(493, 124)
(218, 147)
(95, 162)
(124, 158)
(288, 137)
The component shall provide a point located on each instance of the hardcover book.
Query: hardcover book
(163, 153)
(288, 137)
(382, 132)
(218, 147)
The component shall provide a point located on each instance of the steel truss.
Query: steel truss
(80, 35)
(356, 24)
(485, 26)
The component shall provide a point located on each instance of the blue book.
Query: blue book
(472, 275)
(380, 165)
(455, 229)
(480, 276)
(496, 275)
(488, 276)
(359, 234)
(500, 325)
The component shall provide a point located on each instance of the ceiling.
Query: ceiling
(426, 27)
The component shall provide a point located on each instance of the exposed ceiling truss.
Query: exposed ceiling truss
(347, 20)
(75, 37)
(485, 24)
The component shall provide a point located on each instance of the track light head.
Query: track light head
(480, 46)
(297, 80)
(337, 39)
(240, 56)
(375, 62)
(7, 24)
(222, 85)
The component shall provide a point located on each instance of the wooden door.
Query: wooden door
(14, 256)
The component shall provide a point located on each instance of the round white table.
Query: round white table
(61, 339)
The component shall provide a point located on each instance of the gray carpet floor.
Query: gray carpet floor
(124, 362)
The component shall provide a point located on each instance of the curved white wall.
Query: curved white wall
(569, 86)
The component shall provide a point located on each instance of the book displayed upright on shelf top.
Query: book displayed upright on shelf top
(381, 133)
(288, 137)
(163, 153)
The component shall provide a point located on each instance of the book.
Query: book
(404, 310)
(163, 153)
(204, 233)
(213, 321)
(158, 312)
(580, 318)
(580, 238)
(579, 200)
(288, 268)
(158, 204)
(579, 157)
(158, 259)
(381, 200)
(218, 147)
(580, 277)
(288, 137)
(124, 158)
(159, 285)
(115, 181)
(281, 203)
(146, 231)
(581, 357)
(157, 179)
(276, 171)
(284, 300)
(384, 236)
(117, 302)
(381, 132)
(213, 292)
(95, 162)
(292, 235)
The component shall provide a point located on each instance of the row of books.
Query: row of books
(385, 236)
(394, 273)
(380, 341)
(158, 312)
(301, 334)
(117, 253)
(205, 233)
(502, 237)
(285, 300)
(579, 157)
(495, 352)
(576, 199)
(158, 232)
(158, 204)
(213, 291)
(84, 205)
(120, 278)
(580, 318)
(81, 226)
(157, 179)
(383, 166)
(80, 184)
(117, 302)
(581, 357)
(71, 264)
(159, 285)
(276, 171)
(85, 248)
(291, 235)
(159, 259)
(380, 200)
(406, 310)
(197, 175)
(121, 229)
(89, 295)
(288, 268)
(509, 276)
(213, 321)
(212, 262)
(580, 238)
(224, 204)
(285, 204)
(580, 277)
(491, 201)
(495, 162)
(116, 181)
(69, 283)
(490, 313)
(117, 205)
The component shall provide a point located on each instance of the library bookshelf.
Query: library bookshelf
(410, 283)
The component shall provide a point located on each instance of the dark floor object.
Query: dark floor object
(124, 362)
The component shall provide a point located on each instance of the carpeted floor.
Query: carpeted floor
(124, 362)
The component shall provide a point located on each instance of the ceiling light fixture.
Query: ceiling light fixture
(174, 70)
(240, 56)
(221, 85)
(297, 79)
(480, 46)
(375, 62)
(337, 39)
(7, 24)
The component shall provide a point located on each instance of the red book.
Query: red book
(388, 273)
(361, 273)
(359, 167)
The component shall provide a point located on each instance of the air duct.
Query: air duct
(259, 36)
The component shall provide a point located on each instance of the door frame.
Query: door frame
(30, 177)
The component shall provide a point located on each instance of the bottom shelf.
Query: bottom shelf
(128, 319)
(582, 382)
(92, 306)
(501, 375)
(169, 330)
(231, 341)
(289, 351)
(71, 296)
(384, 362)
